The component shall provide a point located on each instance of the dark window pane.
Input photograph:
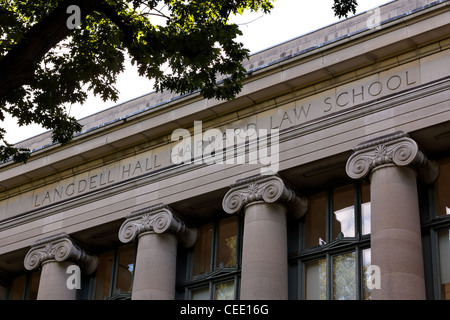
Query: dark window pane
(103, 276)
(315, 230)
(202, 250)
(125, 268)
(226, 250)
(33, 286)
(17, 289)
(443, 188)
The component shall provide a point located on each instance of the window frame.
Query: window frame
(299, 255)
(187, 283)
(114, 274)
(29, 277)
(431, 225)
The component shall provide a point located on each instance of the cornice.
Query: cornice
(159, 218)
(60, 247)
(269, 189)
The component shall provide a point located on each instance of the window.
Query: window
(114, 275)
(213, 263)
(335, 244)
(25, 286)
(442, 187)
(434, 203)
(435, 219)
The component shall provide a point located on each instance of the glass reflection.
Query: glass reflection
(346, 218)
(365, 208)
(344, 277)
(226, 249)
(224, 291)
(124, 281)
(366, 276)
(344, 212)
(316, 280)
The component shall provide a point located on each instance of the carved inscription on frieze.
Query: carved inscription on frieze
(102, 177)
(342, 98)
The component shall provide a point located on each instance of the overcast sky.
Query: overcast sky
(289, 19)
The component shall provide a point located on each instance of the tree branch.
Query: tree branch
(111, 13)
(18, 66)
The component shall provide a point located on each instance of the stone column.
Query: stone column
(158, 230)
(393, 163)
(265, 200)
(55, 254)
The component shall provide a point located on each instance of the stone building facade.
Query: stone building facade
(327, 177)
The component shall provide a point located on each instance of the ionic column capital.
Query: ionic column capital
(269, 189)
(397, 148)
(158, 219)
(60, 247)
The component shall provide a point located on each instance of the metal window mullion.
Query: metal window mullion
(329, 216)
(357, 203)
(114, 268)
(329, 262)
(358, 233)
(237, 286)
(434, 239)
(134, 265)
(239, 241)
(214, 245)
(239, 244)
(27, 287)
(301, 292)
(359, 274)
(212, 289)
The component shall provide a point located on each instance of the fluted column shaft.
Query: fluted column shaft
(265, 202)
(158, 230)
(393, 164)
(55, 254)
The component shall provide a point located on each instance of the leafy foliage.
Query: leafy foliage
(185, 46)
(343, 7)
